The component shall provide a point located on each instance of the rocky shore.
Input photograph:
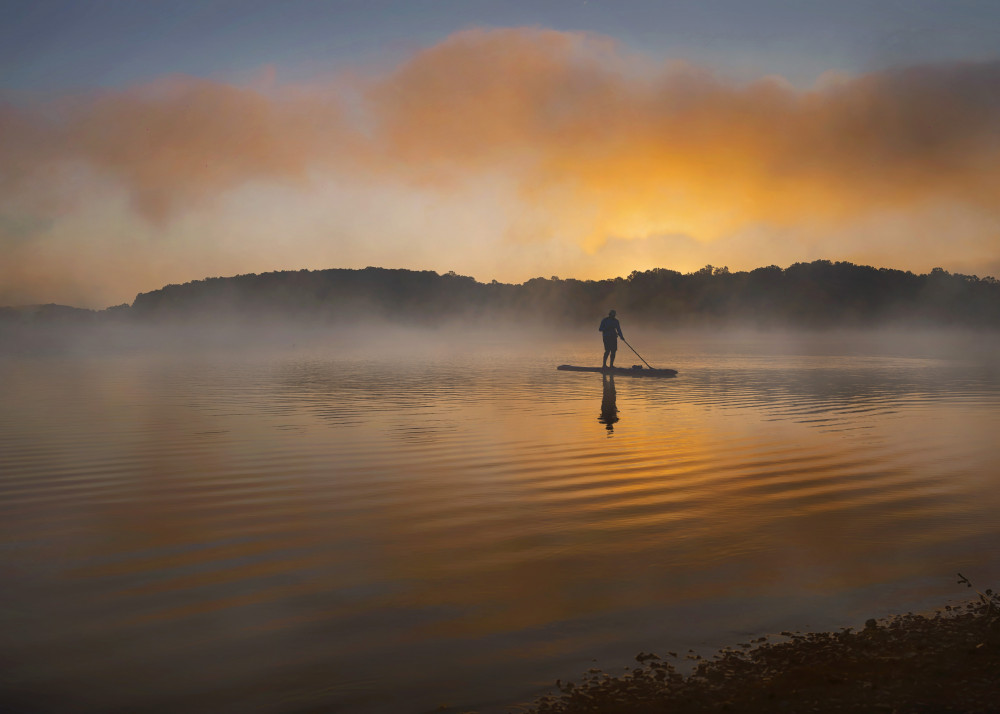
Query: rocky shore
(945, 661)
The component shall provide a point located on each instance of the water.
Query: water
(380, 528)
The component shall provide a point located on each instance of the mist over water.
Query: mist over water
(394, 521)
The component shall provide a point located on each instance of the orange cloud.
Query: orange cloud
(177, 141)
(181, 140)
(598, 143)
(614, 148)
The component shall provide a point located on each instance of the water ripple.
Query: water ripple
(217, 530)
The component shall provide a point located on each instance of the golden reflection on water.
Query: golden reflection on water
(274, 531)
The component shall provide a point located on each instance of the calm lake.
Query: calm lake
(397, 526)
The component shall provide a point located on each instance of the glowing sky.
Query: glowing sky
(155, 142)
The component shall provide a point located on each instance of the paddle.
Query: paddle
(637, 354)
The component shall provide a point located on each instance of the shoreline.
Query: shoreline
(947, 660)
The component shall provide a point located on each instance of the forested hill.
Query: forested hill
(817, 294)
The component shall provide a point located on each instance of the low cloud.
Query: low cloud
(635, 150)
(179, 141)
(599, 144)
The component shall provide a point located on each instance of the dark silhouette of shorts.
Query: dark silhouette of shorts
(611, 343)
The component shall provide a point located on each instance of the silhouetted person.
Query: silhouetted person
(609, 403)
(611, 330)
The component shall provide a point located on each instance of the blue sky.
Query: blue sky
(47, 45)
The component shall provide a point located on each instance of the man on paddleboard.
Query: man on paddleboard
(612, 330)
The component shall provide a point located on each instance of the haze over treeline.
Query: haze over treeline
(814, 295)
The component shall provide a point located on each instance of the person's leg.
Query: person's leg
(604, 362)
(614, 351)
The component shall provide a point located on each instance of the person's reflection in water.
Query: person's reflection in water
(609, 406)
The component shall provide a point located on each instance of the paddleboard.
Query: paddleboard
(625, 371)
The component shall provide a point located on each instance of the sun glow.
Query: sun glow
(562, 141)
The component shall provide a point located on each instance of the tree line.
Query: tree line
(816, 295)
